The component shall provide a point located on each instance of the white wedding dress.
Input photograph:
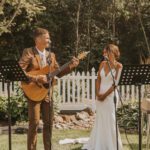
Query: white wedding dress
(103, 134)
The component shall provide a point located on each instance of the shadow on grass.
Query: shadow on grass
(77, 148)
(135, 146)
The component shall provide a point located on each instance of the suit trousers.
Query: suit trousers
(35, 109)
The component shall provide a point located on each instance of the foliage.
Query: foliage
(77, 25)
(11, 9)
(127, 116)
(130, 32)
(95, 28)
(16, 22)
(18, 107)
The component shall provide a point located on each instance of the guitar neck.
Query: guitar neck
(56, 72)
(46, 69)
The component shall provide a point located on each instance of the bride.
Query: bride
(103, 134)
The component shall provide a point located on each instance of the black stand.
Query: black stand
(50, 101)
(136, 75)
(115, 103)
(11, 71)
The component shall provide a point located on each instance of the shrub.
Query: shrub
(127, 116)
(18, 105)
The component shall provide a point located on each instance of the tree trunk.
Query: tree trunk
(88, 33)
(77, 28)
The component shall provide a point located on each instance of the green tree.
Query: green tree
(77, 25)
(17, 19)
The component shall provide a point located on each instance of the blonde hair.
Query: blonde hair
(113, 49)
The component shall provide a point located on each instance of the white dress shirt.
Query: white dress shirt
(43, 57)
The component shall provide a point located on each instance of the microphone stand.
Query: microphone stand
(115, 101)
(50, 100)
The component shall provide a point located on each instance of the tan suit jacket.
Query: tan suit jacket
(30, 61)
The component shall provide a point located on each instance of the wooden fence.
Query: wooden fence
(77, 91)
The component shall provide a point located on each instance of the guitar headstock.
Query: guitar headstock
(83, 54)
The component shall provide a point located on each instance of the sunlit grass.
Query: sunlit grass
(19, 140)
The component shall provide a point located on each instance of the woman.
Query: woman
(103, 135)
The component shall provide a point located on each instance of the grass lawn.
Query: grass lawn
(19, 140)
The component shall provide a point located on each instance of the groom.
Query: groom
(32, 59)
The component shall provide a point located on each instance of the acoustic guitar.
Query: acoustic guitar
(37, 92)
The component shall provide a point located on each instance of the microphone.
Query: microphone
(106, 58)
(102, 58)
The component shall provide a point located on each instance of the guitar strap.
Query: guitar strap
(48, 61)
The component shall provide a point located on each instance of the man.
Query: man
(34, 59)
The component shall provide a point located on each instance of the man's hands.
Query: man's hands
(74, 62)
(41, 79)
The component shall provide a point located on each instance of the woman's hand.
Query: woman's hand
(101, 97)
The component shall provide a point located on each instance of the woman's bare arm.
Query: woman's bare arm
(112, 88)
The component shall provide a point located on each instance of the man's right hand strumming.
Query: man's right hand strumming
(41, 79)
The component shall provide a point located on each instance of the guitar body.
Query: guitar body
(34, 91)
(45, 70)
(37, 92)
